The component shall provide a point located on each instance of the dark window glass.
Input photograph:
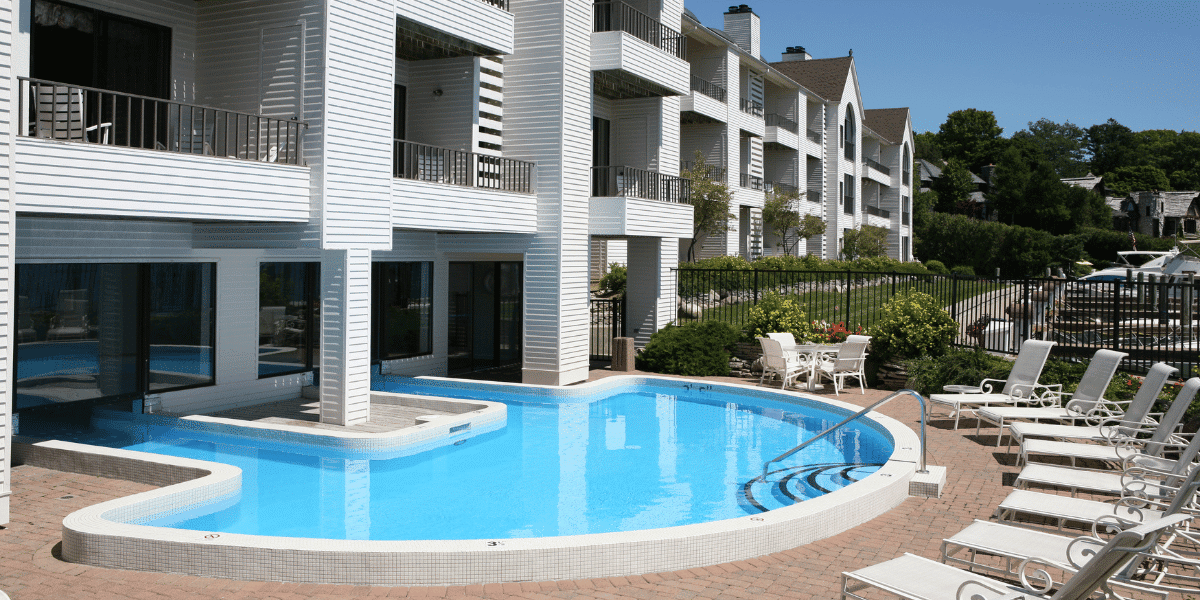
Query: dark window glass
(182, 298)
(403, 309)
(112, 331)
(287, 316)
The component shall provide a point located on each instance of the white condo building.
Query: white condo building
(205, 202)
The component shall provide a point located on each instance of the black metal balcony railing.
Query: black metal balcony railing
(421, 162)
(779, 187)
(497, 3)
(876, 165)
(87, 115)
(753, 182)
(774, 120)
(752, 107)
(614, 15)
(875, 210)
(814, 136)
(904, 218)
(638, 183)
(711, 172)
(848, 205)
(709, 89)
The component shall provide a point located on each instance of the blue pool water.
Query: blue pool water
(657, 455)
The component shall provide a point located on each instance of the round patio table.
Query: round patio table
(962, 389)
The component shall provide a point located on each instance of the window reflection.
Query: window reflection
(179, 336)
(287, 315)
(403, 309)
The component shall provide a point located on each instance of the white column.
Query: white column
(650, 290)
(7, 243)
(345, 336)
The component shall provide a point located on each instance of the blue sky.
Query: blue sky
(1084, 62)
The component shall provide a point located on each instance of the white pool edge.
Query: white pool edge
(91, 538)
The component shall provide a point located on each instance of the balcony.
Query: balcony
(711, 90)
(876, 211)
(430, 29)
(144, 157)
(635, 202)
(442, 189)
(782, 188)
(753, 182)
(752, 107)
(706, 103)
(813, 196)
(501, 4)
(634, 55)
(814, 136)
(781, 131)
(711, 172)
(876, 165)
(782, 122)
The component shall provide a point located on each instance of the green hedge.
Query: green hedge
(696, 349)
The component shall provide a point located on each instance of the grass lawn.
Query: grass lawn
(860, 306)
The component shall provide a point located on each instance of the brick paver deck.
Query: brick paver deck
(30, 569)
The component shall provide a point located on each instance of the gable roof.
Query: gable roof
(1175, 204)
(929, 171)
(825, 77)
(1088, 182)
(887, 122)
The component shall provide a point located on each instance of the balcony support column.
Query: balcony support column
(345, 376)
(650, 289)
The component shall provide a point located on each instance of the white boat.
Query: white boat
(1135, 261)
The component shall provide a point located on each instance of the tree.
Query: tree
(710, 201)
(1111, 145)
(923, 204)
(1027, 191)
(972, 136)
(810, 226)
(780, 217)
(1061, 144)
(925, 145)
(1124, 180)
(953, 187)
(865, 242)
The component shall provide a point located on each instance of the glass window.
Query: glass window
(287, 315)
(403, 309)
(179, 338)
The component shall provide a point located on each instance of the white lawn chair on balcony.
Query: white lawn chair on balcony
(61, 113)
(1021, 385)
(775, 362)
(1090, 563)
(1087, 401)
(851, 361)
(1117, 442)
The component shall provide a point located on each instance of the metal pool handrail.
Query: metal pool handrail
(856, 415)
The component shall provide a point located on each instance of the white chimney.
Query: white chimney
(792, 53)
(742, 26)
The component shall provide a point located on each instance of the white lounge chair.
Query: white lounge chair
(777, 363)
(1131, 507)
(910, 576)
(850, 362)
(1087, 401)
(1116, 442)
(1020, 386)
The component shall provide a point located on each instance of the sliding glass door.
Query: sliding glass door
(485, 325)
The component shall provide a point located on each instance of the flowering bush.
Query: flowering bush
(775, 314)
(912, 324)
(824, 333)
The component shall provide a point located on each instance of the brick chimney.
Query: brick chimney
(792, 53)
(742, 25)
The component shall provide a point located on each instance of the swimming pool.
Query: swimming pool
(627, 476)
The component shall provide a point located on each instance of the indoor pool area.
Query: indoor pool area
(622, 475)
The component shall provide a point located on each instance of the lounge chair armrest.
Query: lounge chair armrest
(1037, 579)
(988, 386)
(999, 593)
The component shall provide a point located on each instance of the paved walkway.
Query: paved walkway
(30, 569)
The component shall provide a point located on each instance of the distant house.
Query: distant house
(930, 171)
(1094, 183)
(1157, 214)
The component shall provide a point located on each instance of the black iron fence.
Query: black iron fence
(874, 164)
(608, 322)
(497, 3)
(878, 212)
(753, 182)
(613, 15)
(752, 107)
(87, 115)
(711, 172)
(1153, 321)
(708, 88)
(774, 120)
(639, 183)
(422, 162)
(780, 187)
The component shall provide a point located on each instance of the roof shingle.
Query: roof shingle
(888, 122)
(825, 77)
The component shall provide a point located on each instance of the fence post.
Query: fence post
(954, 300)
(847, 321)
(1116, 330)
(756, 287)
(1026, 328)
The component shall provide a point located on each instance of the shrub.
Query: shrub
(936, 266)
(963, 271)
(695, 349)
(774, 314)
(957, 366)
(614, 281)
(912, 324)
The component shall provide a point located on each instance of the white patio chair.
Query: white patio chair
(850, 362)
(785, 339)
(1087, 401)
(1091, 564)
(1116, 443)
(1020, 386)
(61, 113)
(776, 362)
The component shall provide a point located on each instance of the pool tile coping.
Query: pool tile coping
(91, 536)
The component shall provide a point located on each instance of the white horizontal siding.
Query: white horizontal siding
(617, 50)
(471, 20)
(438, 207)
(781, 136)
(447, 119)
(70, 178)
(699, 103)
(621, 216)
(875, 221)
(876, 176)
